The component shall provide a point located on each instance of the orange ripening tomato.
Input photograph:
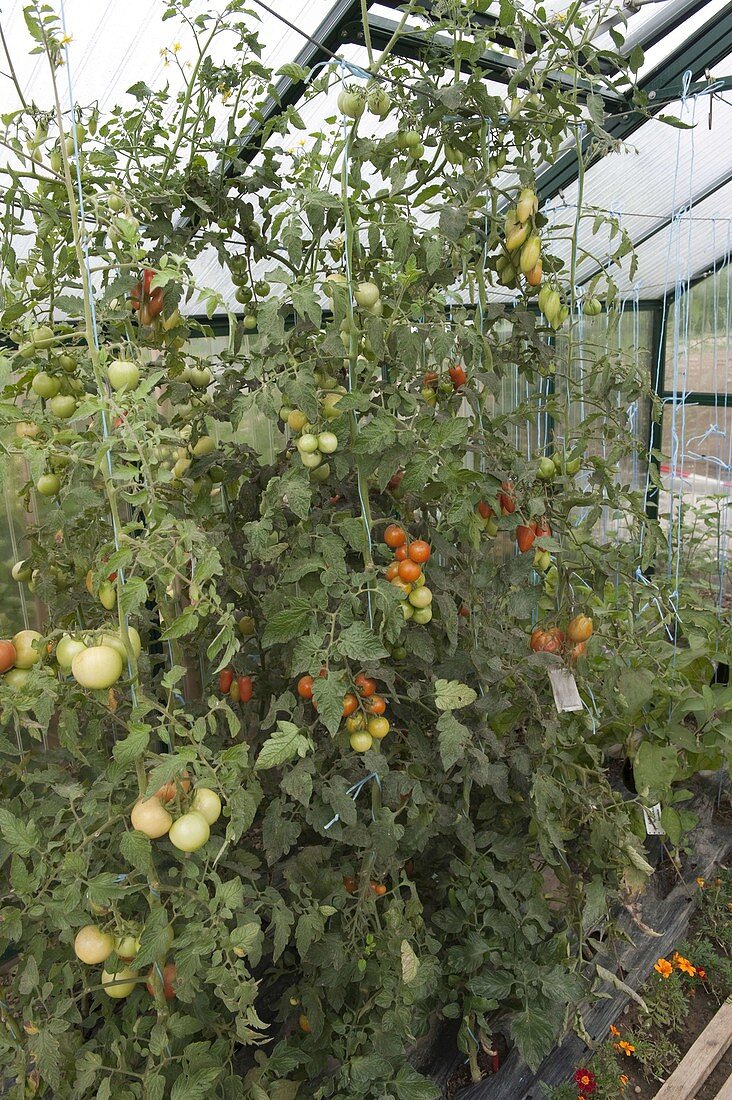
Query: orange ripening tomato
(395, 535)
(392, 570)
(580, 628)
(419, 551)
(378, 888)
(350, 702)
(366, 685)
(376, 704)
(485, 510)
(401, 553)
(226, 679)
(7, 656)
(577, 651)
(305, 687)
(168, 980)
(246, 688)
(525, 537)
(464, 611)
(408, 570)
(535, 275)
(543, 530)
(430, 377)
(350, 884)
(547, 641)
(458, 376)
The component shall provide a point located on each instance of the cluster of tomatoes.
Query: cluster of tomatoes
(521, 253)
(93, 946)
(240, 689)
(432, 383)
(191, 829)
(527, 534)
(405, 573)
(147, 303)
(17, 657)
(507, 504)
(351, 885)
(363, 709)
(573, 643)
(312, 445)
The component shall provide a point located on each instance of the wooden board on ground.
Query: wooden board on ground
(669, 916)
(701, 1058)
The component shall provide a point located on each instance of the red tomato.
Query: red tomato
(392, 570)
(485, 510)
(401, 553)
(506, 499)
(577, 650)
(168, 982)
(350, 884)
(525, 537)
(431, 376)
(395, 535)
(366, 685)
(543, 530)
(458, 376)
(305, 687)
(419, 551)
(395, 481)
(246, 688)
(7, 656)
(464, 610)
(226, 679)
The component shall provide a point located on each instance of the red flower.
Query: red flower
(585, 1078)
(701, 973)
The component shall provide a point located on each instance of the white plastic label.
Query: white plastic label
(652, 818)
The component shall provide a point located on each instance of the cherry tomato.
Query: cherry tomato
(393, 570)
(361, 741)
(430, 377)
(485, 510)
(378, 888)
(168, 980)
(464, 611)
(7, 656)
(419, 551)
(378, 727)
(409, 570)
(395, 535)
(356, 723)
(350, 702)
(543, 530)
(226, 679)
(365, 684)
(376, 704)
(401, 553)
(246, 688)
(350, 883)
(234, 693)
(547, 641)
(305, 687)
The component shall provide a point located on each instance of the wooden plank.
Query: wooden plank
(725, 1093)
(701, 1058)
(672, 915)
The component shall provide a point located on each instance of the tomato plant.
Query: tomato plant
(314, 516)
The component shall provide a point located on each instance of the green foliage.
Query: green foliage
(344, 897)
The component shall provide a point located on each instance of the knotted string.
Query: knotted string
(354, 792)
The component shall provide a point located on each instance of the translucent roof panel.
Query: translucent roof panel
(116, 44)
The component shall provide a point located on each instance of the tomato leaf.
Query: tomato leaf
(283, 626)
(137, 850)
(20, 837)
(155, 938)
(454, 737)
(196, 1085)
(535, 1033)
(452, 695)
(411, 1085)
(410, 962)
(359, 643)
(286, 742)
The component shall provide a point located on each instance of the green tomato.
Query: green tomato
(422, 615)
(327, 443)
(64, 405)
(307, 444)
(190, 832)
(351, 103)
(546, 469)
(97, 667)
(310, 460)
(320, 473)
(573, 466)
(48, 485)
(204, 446)
(330, 401)
(420, 598)
(200, 378)
(67, 363)
(15, 678)
(45, 385)
(207, 803)
(119, 984)
(116, 203)
(21, 571)
(367, 295)
(123, 374)
(67, 649)
(25, 654)
(249, 322)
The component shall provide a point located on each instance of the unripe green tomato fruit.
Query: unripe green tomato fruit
(361, 742)
(546, 469)
(307, 444)
(422, 615)
(48, 485)
(327, 443)
(310, 459)
(45, 385)
(420, 598)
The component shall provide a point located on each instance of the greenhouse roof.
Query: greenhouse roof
(669, 189)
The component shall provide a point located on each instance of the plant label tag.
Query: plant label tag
(652, 818)
(564, 686)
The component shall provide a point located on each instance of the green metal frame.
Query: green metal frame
(709, 45)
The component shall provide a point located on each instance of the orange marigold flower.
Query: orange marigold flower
(623, 1080)
(684, 965)
(614, 1030)
(701, 973)
(627, 1048)
(664, 968)
(700, 883)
